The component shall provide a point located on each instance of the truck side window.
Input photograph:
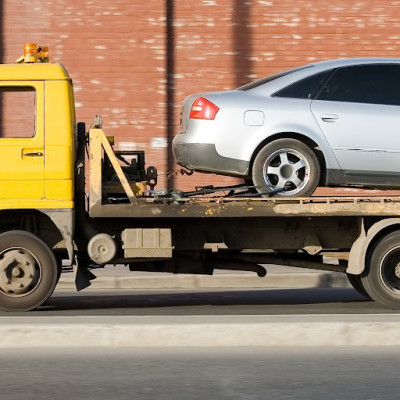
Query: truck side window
(17, 112)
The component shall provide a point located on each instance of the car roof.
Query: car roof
(307, 70)
(342, 62)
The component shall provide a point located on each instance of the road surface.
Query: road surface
(248, 374)
(209, 302)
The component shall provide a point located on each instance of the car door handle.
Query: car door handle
(33, 154)
(329, 117)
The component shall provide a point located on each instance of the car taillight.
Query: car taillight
(203, 109)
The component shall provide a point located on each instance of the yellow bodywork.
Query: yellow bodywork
(38, 171)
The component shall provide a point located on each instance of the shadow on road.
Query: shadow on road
(251, 302)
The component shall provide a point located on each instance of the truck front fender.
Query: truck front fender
(64, 221)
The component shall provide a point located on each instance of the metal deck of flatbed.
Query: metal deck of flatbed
(222, 207)
(177, 205)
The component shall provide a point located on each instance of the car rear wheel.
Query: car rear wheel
(288, 167)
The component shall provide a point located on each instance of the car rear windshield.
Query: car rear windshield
(270, 78)
(306, 88)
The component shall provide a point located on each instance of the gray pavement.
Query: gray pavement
(194, 374)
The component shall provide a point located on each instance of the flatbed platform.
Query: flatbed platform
(218, 207)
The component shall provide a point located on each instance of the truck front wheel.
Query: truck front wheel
(28, 271)
(382, 277)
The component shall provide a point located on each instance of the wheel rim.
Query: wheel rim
(20, 272)
(389, 270)
(287, 170)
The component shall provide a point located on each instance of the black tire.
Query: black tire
(59, 272)
(382, 276)
(357, 284)
(249, 182)
(28, 271)
(293, 169)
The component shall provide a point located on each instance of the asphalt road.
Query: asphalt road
(209, 302)
(295, 373)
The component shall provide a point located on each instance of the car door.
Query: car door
(22, 152)
(359, 114)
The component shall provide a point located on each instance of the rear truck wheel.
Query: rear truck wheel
(382, 277)
(357, 284)
(28, 271)
(288, 167)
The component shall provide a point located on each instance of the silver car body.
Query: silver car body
(359, 142)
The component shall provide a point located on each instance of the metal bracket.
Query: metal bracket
(97, 142)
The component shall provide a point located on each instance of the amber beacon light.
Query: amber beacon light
(34, 54)
(31, 52)
(43, 55)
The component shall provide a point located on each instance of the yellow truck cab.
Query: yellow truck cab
(37, 128)
(36, 137)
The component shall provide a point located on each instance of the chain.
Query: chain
(181, 171)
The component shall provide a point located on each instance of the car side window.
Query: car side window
(306, 88)
(372, 84)
(18, 112)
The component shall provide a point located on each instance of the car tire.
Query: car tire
(286, 167)
(381, 279)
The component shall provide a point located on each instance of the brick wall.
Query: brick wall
(116, 52)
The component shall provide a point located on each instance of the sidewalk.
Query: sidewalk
(278, 277)
(199, 331)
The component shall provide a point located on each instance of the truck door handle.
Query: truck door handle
(329, 117)
(33, 154)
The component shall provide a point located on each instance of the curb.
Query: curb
(226, 281)
(134, 332)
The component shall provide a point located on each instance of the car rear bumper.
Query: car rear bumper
(204, 157)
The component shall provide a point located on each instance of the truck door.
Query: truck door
(22, 152)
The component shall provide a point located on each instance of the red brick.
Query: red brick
(122, 46)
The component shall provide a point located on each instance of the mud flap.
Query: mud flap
(82, 276)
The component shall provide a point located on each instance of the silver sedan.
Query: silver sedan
(333, 123)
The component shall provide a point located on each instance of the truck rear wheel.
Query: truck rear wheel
(382, 278)
(28, 271)
(357, 284)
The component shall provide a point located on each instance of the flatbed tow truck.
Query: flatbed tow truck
(66, 194)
